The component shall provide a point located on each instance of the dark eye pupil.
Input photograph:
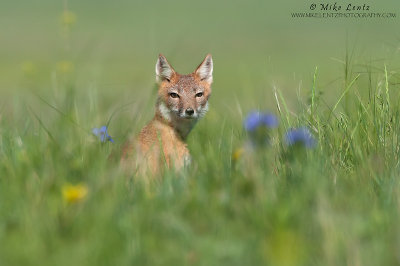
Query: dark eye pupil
(199, 94)
(174, 95)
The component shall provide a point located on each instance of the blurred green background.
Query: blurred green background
(113, 46)
(68, 66)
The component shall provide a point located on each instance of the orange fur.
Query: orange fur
(182, 101)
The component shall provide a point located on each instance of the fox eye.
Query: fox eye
(174, 95)
(200, 94)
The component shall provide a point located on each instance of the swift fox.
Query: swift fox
(181, 101)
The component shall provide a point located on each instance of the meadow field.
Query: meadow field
(250, 197)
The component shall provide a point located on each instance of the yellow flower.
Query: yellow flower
(237, 154)
(283, 247)
(68, 18)
(65, 67)
(74, 193)
(28, 68)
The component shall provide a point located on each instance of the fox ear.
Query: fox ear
(205, 69)
(164, 71)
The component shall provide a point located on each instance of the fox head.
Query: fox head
(183, 99)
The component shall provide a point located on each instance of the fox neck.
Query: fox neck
(181, 126)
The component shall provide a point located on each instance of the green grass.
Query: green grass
(332, 205)
(336, 204)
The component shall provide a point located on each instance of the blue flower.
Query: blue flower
(257, 119)
(102, 134)
(301, 136)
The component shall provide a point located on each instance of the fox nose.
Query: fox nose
(189, 111)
